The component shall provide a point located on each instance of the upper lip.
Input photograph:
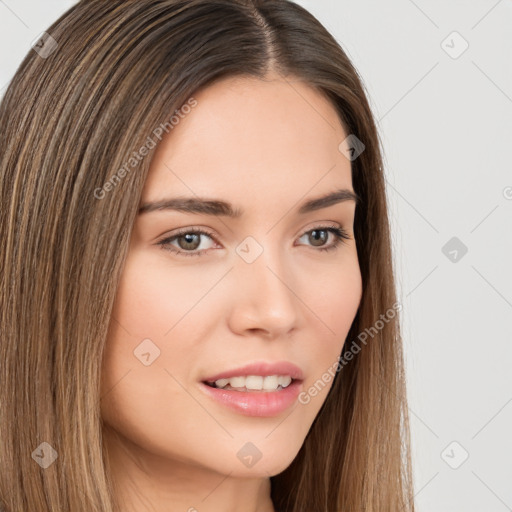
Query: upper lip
(263, 369)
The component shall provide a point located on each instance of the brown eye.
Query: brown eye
(319, 236)
(188, 241)
(191, 241)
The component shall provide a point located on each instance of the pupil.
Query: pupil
(316, 231)
(189, 239)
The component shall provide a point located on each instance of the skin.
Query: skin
(264, 146)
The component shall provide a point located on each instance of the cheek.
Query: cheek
(142, 391)
(148, 306)
(332, 296)
(156, 296)
(158, 314)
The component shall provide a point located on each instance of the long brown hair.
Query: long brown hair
(103, 79)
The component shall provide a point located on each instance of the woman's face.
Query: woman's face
(258, 288)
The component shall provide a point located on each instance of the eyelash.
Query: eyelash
(339, 236)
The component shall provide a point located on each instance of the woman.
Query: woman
(264, 376)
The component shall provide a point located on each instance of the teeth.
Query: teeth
(221, 383)
(237, 382)
(256, 382)
(253, 382)
(284, 380)
(271, 382)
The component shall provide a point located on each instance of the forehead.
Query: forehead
(251, 136)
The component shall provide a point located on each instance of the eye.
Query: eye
(320, 234)
(189, 239)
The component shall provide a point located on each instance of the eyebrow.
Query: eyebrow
(217, 207)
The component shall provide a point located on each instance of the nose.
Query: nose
(263, 298)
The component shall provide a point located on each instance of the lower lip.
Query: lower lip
(256, 403)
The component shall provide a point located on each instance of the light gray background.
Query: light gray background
(446, 124)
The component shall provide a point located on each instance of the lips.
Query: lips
(262, 404)
(263, 369)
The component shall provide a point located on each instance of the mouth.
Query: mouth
(263, 403)
(253, 383)
(258, 389)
